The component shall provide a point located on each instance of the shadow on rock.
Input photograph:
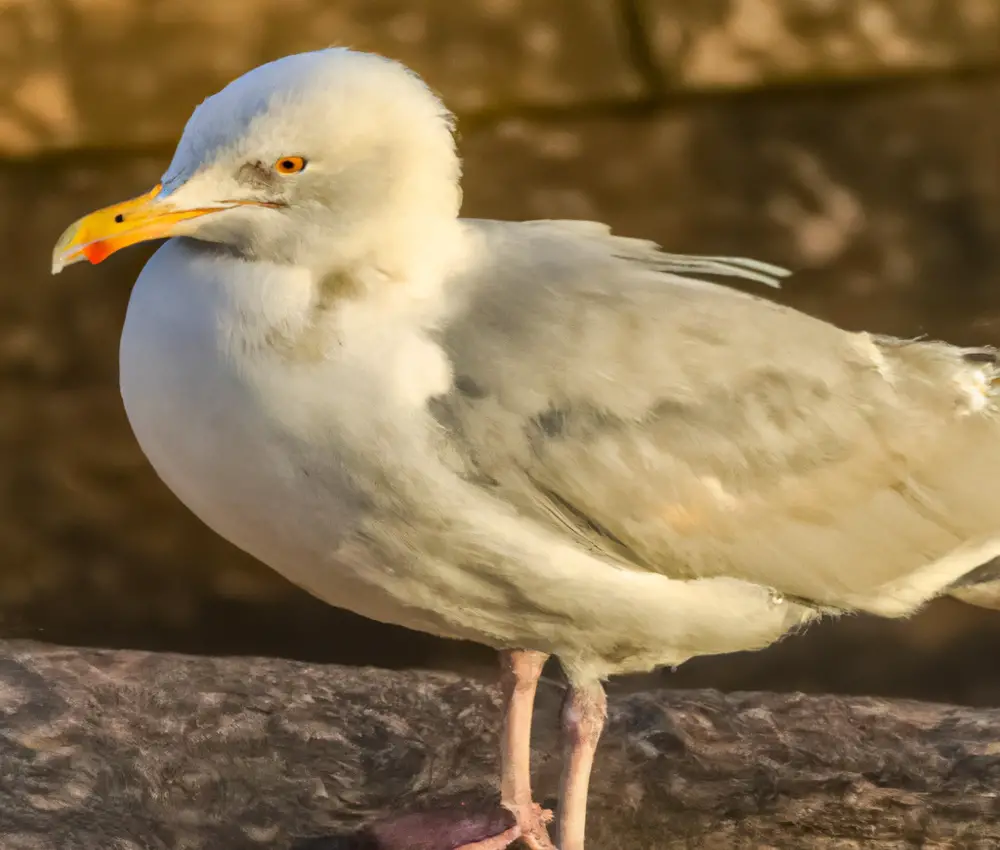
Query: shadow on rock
(444, 829)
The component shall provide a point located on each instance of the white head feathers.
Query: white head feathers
(378, 152)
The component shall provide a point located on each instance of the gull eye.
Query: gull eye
(290, 165)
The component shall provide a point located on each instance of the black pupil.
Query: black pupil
(288, 165)
(119, 218)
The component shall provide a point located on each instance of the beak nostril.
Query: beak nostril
(119, 218)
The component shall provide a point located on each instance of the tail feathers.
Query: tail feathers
(980, 587)
(985, 595)
(985, 574)
(930, 368)
(986, 355)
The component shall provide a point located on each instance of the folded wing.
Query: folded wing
(691, 429)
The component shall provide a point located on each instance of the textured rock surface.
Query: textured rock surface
(129, 750)
(753, 42)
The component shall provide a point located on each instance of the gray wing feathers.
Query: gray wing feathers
(686, 428)
(648, 253)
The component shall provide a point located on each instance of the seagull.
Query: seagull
(536, 435)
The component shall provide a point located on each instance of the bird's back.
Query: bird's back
(690, 429)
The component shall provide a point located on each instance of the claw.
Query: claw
(531, 821)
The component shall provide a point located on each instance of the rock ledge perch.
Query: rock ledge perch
(107, 750)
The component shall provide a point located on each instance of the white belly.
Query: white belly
(237, 469)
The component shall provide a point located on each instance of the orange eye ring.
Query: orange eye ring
(290, 164)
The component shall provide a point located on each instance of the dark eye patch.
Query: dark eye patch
(256, 175)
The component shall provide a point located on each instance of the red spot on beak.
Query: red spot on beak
(96, 252)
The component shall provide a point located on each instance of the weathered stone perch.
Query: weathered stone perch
(124, 750)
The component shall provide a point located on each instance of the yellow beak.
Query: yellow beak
(97, 236)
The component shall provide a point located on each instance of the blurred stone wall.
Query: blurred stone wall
(856, 141)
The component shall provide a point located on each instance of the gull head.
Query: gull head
(315, 159)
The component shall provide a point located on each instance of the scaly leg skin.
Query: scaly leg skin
(521, 671)
(444, 831)
(584, 714)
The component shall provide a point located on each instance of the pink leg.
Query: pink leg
(521, 671)
(584, 714)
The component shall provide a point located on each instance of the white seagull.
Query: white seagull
(535, 435)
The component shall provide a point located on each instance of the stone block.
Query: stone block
(749, 43)
(124, 73)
